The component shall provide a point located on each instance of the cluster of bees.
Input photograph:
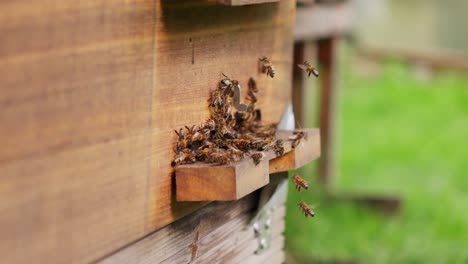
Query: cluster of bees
(230, 136)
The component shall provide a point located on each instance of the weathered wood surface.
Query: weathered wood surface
(223, 237)
(323, 20)
(207, 182)
(90, 94)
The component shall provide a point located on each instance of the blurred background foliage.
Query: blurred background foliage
(402, 131)
(401, 134)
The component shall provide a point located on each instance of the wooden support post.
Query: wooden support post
(298, 83)
(327, 57)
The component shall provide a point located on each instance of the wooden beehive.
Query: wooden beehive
(90, 94)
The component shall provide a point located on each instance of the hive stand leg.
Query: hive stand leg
(327, 58)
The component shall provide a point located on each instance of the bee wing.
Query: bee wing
(302, 66)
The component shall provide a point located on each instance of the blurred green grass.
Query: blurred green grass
(398, 135)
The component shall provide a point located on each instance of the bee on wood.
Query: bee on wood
(309, 69)
(235, 154)
(252, 98)
(306, 209)
(260, 144)
(229, 85)
(219, 157)
(296, 138)
(278, 147)
(201, 135)
(267, 67)
(184, 157)
(202, 153)
(252, 84)
(242, 144)
(257, 157)
(182, 141)
(210, 124)
(300, 182)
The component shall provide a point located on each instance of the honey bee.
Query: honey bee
(279, 148)
(201, 135)
(241, 144)
(260, 144)
(306, 209)
(309, 69)
(296, 138)
(300, 182)
(266, 67)
(219, 157)
(252, 85)
(229, 85)
(210, 124)
(182, 141)
(184, 157)
(257, 157)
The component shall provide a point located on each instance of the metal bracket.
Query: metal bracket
(262, 221)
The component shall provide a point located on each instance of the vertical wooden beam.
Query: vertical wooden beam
(298, 83)
(327, 58)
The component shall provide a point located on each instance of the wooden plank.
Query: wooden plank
(207, 182)
(306, 151)
(175, 239)
(90, 94)
(224, 236)
(244, 2)
(323, 20)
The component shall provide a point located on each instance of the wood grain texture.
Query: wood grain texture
(224, 237)
(90, 94)
(205, 182)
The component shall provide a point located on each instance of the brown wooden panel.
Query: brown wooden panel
(223, 237)
(90, 94)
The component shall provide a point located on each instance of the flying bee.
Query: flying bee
(309, 69)
(296, 138)
(257, 157)
(267, 67)
(278, 148)
(306, 209)
(300, 182)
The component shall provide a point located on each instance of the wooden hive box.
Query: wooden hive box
(91, 92)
